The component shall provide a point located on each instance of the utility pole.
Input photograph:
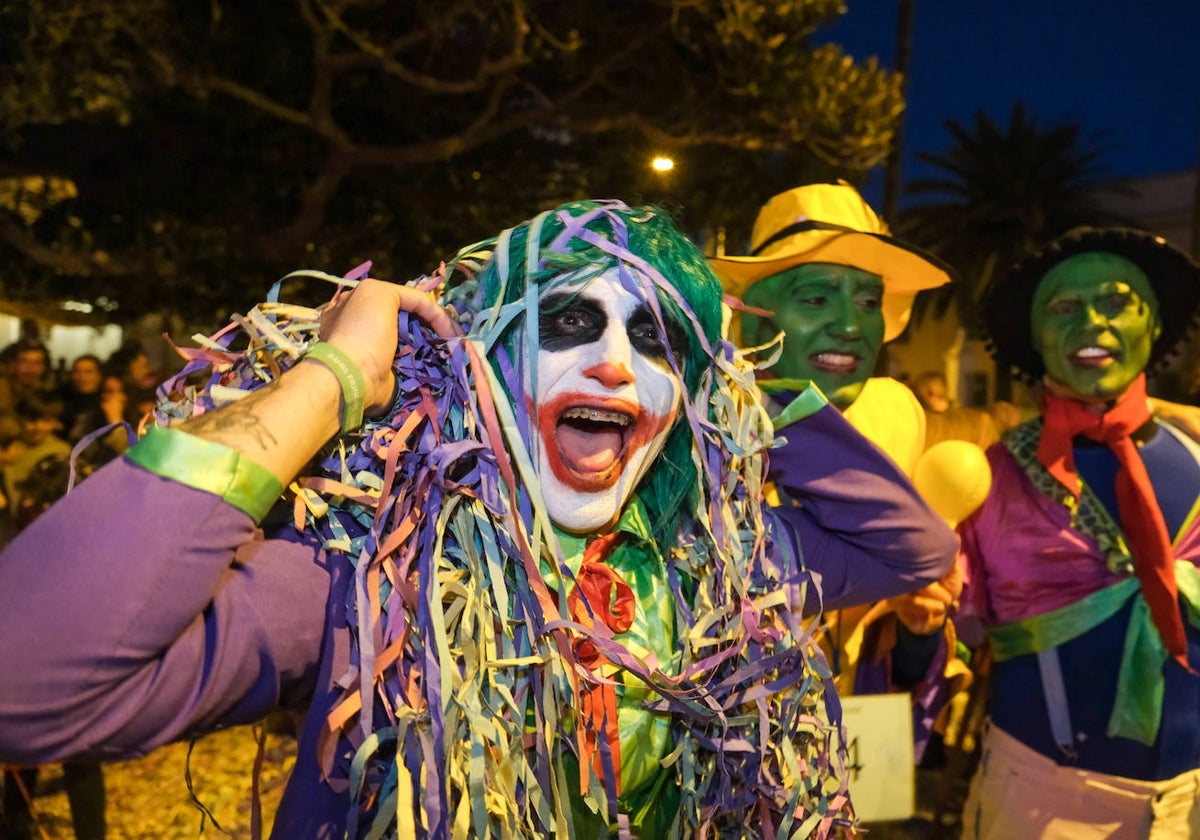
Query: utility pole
(891, 177)
(1196, 209)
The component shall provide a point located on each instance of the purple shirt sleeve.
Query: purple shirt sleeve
(864, 532)
(139, 610)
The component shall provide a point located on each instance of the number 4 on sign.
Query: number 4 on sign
(880, 746)
(853, 768)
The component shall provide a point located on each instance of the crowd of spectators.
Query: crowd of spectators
(45, 414)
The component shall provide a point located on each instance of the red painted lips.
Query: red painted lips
(588, 439)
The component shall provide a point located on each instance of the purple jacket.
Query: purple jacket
(139, 611)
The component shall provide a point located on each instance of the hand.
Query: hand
(113, 406)
(362, 324)
(925, 611)
(281, 427)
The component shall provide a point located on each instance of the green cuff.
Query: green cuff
(809, 402)
(212, 467)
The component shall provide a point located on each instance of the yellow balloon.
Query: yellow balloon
(954, 478)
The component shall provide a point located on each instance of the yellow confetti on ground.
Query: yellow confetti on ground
(148, 797)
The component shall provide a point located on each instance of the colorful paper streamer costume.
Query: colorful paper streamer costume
(465, 713)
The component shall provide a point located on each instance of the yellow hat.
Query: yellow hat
(831, 223)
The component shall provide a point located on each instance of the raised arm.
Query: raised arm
(146, 605)
(282, 426)
(864, 531)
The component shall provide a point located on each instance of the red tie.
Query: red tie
(1141, 518)
(612, 602)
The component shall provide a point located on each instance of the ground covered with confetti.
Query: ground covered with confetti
(148, 797)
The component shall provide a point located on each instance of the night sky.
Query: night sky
(1126, 68)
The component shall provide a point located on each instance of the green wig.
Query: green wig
(584, 239)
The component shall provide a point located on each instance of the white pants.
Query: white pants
(1019, 794)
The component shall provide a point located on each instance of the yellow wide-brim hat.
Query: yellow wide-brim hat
(831, 223)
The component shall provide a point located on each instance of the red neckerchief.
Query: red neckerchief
(611, 602)
(1141, 519)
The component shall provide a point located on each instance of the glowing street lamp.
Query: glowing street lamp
(662, 163)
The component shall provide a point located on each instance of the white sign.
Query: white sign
(880, 761)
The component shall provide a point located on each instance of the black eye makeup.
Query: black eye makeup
(646, 338)
(567, 320)
(570, 319)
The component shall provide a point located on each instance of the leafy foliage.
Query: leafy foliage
(214, 146)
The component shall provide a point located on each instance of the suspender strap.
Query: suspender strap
(1056, 701)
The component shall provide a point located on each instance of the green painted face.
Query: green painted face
(832, 325)
(1094, 321)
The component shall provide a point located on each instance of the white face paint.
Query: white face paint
(606, 399)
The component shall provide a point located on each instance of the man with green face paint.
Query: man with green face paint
(828, 285)
(1081, 563)
(832, 320)
(1095, 338)
(827, 280)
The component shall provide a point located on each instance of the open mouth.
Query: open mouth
(833, 362)
(591, 440)
(1092, 357)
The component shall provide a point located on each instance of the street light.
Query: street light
(662, 163)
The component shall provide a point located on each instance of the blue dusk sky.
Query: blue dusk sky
(1129, 69)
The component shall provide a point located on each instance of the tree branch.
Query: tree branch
(483, 76)
(77, 263)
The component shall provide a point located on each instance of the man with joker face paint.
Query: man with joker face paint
(1081, 563)
(605, 398)
(534, 593)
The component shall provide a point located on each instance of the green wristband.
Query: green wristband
(212, 467)
(349, 377)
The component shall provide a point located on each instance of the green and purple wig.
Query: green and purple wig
(583, 240)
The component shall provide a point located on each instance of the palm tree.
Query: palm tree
(1003, 192)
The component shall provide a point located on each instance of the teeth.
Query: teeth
(837, 358)
(1092, 353)
(598, 415)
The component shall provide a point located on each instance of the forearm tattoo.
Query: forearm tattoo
(239, 418)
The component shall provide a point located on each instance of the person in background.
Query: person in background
(828, 281)
(945, 420)
(28, 365)
(80, 396)
(112, 409)
(39, 419)
(131, 362)
(1081, 563)
(30, 370)
(929, 387)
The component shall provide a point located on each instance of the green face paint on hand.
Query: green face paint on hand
(1094, 322)
(832, 323)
